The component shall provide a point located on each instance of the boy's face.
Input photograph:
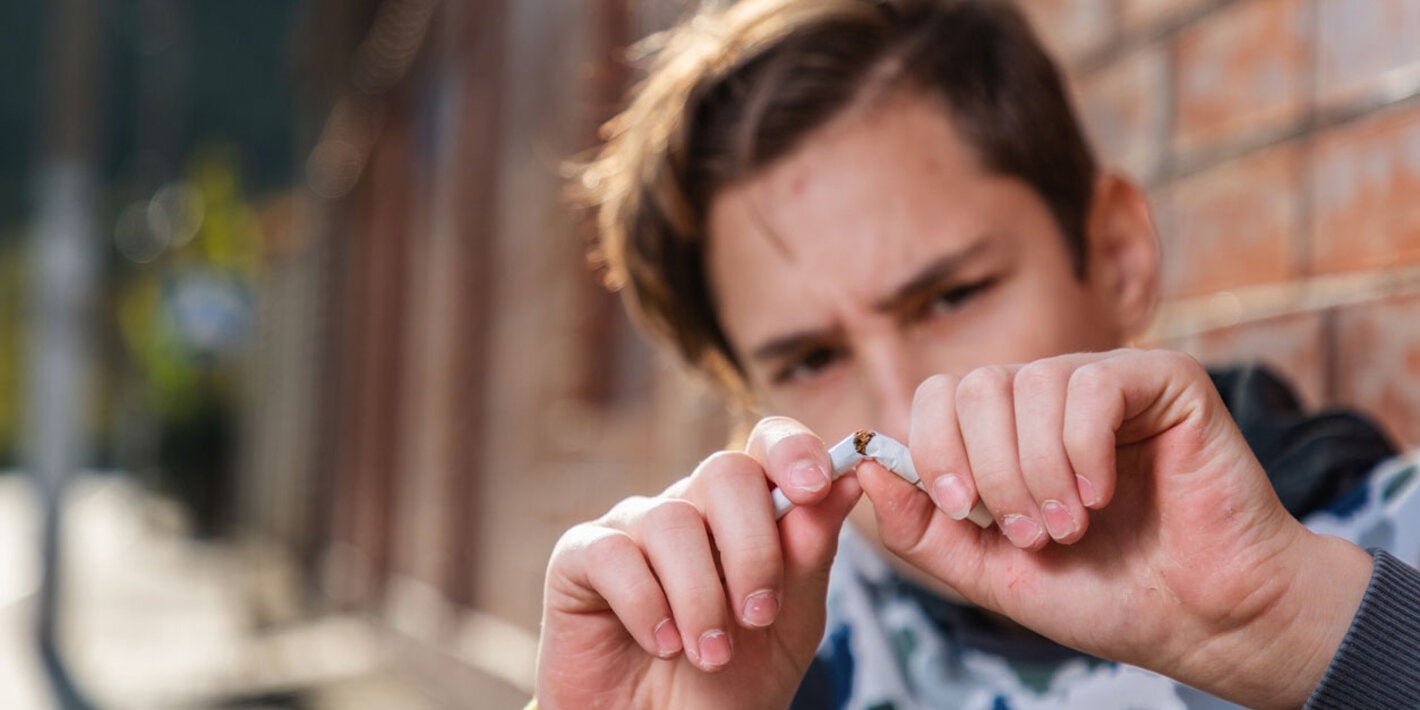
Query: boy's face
(880, 252)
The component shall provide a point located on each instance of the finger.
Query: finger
(741, 518)
(988, 427)
(1040, 392)
(1125, 398)
(937, 449)
(912, 527)
(793, 457)
(673, 534)
(809, 534)
(605, 564)
(1094, 409)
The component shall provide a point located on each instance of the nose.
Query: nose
(890, 375)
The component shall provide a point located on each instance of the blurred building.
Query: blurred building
(441, 387)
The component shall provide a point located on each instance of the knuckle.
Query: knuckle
(1041, 458)
(1181, 362)
(1090, 379)
(898, 543)
(702, 596)
(754, 553)
(774, 421)
(786, 449)
(1038, 376)
(996, 482)
(575, 538)
(984, 383)
(729, 466)
(673, 514)
(609, 547)
(624, 514)
(934, 389)
(768, 422)
(907, 544)
(629, 504)
(774, 427)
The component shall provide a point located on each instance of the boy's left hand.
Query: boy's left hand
(1134, 522)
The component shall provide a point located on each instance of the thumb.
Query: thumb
(913, 528)
(808, 535)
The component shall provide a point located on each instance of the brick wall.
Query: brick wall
(1279, 141)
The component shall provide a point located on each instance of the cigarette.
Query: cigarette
(890, 453)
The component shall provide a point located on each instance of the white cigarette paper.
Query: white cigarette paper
(890, 453)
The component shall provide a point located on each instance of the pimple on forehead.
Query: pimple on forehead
(798, 185)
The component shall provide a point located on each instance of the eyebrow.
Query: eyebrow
(930, 277)
(925, 281)
(785, 345)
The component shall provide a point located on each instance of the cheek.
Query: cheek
(1028, 319)
(1061, 316)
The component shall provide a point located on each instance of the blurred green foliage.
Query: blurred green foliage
(189, 380)
(227, 245)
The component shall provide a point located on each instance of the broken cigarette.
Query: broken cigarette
(890, 453)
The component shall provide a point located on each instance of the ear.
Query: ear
(1123, 268)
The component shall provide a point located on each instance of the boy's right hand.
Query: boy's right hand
(697, 597)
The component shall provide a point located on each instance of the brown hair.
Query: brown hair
(736, 88)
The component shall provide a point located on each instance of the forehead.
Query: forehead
(860, 205)
(876, 161)
(864, 175)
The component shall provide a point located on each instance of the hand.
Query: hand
(1135, 523)
(697, 598)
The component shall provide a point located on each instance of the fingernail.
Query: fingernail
(1088, 496)
(761, 608)
(667, 638)
(714, 649)
(1022, 531)
(952, 496)
(808, 476)
(1058, 520)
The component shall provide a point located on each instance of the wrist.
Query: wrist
(1328, 595)
(1279, 658)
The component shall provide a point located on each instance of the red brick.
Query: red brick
(1143, 14)
(1378, 363)
(1361, 44)
(1126, 110)
(1242, 73)
(1071, 28)
(1363, 190)
(1238, 224)
(1291, 345)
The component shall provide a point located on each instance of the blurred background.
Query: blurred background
(302, 369)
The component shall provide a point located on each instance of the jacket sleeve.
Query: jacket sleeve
(1378, 663)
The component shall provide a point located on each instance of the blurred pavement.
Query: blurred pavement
(152, 619)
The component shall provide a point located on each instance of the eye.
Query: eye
(954, 297)
(807, 366)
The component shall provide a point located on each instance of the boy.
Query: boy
(851, 214)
